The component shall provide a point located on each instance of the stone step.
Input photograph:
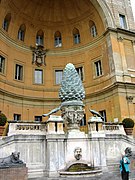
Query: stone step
(104, 176)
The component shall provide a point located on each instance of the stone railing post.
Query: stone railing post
(55, 125)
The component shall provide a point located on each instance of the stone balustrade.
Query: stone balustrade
(27, 128)
(112, 128)
(54, 125)
(95, 124)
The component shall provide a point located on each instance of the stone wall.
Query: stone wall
(47, 155)
(32, 150)
(121, 7)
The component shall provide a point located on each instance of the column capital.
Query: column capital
(133, 42)
(120, 39)
(130, 99)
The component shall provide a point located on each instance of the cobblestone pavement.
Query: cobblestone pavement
(105, 176)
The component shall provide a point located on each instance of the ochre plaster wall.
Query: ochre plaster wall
(107, 92)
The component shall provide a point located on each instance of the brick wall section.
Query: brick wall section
(14, 173)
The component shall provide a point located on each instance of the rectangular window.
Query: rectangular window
(58, 42)
(38, 118)
(5, 25)
(21, 35)
(38, 76)
(83, 121)
(80, 72)
(103, 114)
(76, 38)
(58, 76)
(2, 64)
(123, 23)
(39, 40)
(93, 31)
(17, 117)
(18, 72)
(98, 68)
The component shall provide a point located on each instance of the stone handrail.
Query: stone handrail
(27, 128)
(94, 125)
(113, 128)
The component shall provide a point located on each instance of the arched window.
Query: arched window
(21, 32)
(57, 39)
(40, 38)
(6, 22)
(93, 29)
(76, 36)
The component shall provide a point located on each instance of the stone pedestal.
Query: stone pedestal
(95, 124)
(75, 133)
(1, 130)
(14, 173)
(72, 115)
(55, 125)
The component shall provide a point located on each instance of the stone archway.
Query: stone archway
(105, 13)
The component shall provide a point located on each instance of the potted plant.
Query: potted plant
(3, 120)
(128, 124)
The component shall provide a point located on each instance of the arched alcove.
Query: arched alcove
(93, 29)
(6, 22)
(21, 32)
(105, 13)
(40, 37)
(57, 39)
(76, 36)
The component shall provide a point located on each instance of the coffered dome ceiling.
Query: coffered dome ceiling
(51, 11)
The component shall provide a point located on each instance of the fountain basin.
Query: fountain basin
(80, 169)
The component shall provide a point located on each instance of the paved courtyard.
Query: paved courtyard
(105, 176)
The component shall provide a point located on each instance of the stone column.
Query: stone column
(133, 46)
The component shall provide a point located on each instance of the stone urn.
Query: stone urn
(128, 125)
(128, 131)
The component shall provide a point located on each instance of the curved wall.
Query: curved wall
(28, 99)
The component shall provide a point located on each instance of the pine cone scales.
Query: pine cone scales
(71, 85)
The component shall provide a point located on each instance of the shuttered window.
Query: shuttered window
(18, 72)
(58, 76)
(38, 76)
(2, 64)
